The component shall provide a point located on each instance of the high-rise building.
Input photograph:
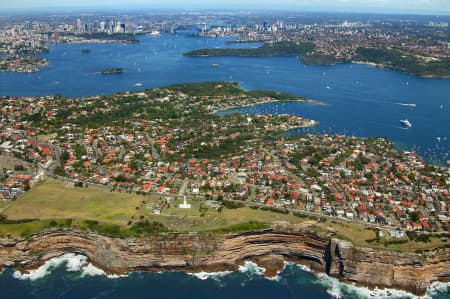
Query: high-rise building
(79, 27)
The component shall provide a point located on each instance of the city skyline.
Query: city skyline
(366, 6)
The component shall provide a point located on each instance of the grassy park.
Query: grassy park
(58, 200)
(57, 204)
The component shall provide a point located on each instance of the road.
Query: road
(154, 151)
(183, 187)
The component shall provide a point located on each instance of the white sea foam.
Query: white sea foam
(116, 276)
(274, 278)
(73, 263)
(205, 275)
(438, 288)
(300, 266)
(251, 268)
(91, 270)
(337, 289)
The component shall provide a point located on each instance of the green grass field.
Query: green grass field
(57, 200)
(4, 204)
(53, 200)
(209, 218)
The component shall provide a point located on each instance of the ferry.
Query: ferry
(406, 123)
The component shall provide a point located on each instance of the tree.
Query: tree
(415, 216)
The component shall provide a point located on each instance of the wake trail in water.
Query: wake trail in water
(401, 104)
(402, 128)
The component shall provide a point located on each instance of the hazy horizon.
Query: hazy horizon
(441, 7)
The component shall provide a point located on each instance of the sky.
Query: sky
(388, 6)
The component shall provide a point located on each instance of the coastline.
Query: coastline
(208, 252)
(335, 288)
(431, 76)
(316, 102)
(382, 66)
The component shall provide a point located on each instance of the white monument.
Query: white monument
(184, 205)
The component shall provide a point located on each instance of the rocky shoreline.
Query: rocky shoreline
(196, 252)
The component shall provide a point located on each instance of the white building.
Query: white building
(185, 205)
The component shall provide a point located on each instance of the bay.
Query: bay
(359, 99)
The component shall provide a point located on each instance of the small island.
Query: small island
(285, 48)
(111, 71)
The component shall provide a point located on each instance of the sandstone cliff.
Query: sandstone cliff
(207, 251)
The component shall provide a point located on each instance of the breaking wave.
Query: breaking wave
(73, 263)
(206, 275)
(337, 289)
(251, 268)
(334, 288)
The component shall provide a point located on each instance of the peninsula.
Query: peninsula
(156, 180)
(388, 58)
(285, 48)
(27, 64)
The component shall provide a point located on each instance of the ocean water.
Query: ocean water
(70, 276)
(359, 99)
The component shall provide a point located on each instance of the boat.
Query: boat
(404, 104)
(406, 123)
(410, 105)
(138, 84)
(214, 65)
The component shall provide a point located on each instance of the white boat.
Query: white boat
(404, 104)
(138, 84)
(406, 123)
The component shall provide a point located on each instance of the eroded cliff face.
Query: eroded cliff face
(369, 267)
(207, 251)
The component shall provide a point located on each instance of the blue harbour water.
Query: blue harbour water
(358, 100)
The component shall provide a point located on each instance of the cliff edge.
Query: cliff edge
(212, 252)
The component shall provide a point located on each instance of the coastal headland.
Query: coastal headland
(156, 180)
